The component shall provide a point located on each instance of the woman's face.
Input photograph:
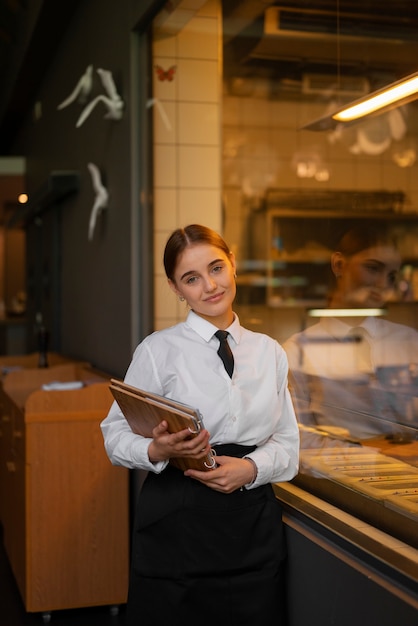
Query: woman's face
(205, 277)
(368, 278)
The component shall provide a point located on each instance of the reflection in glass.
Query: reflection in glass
(354, 382)
(358, 373)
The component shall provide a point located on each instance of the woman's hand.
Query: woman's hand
(230, 474)
(165, 446)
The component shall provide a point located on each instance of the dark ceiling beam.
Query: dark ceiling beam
(43, 27)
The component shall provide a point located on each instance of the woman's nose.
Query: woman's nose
(210, 284)
(383, 281)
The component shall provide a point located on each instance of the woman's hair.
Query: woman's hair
(364, 236)
(181, 238)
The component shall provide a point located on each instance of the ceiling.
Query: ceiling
(30, 31)
(369, 39)
(335, 37)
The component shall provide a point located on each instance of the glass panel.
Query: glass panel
(290, 195)
(235, 84)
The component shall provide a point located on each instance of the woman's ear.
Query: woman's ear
(173, 287)
(337, 263)
(233, 262)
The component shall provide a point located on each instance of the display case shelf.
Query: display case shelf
(291, 250)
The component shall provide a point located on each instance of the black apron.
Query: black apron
(201, 556)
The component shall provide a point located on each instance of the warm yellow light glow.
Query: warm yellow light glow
(22, 198)
(383, 98)
(395, 94)
(346, 312)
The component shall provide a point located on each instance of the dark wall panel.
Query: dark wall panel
(327, 586)
(93, 298)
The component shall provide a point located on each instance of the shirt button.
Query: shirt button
(234, 419)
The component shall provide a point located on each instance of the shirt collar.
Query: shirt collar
(338, 328)
(206, 330)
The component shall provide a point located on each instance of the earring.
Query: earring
(181, 298)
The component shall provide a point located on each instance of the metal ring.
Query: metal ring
(213, 462)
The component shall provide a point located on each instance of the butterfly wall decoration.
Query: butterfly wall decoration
(163, 74)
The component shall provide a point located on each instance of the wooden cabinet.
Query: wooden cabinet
(64, 507)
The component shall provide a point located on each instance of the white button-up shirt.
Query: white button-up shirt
(252, 408)
(333, 387)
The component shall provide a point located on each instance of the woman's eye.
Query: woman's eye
(191, 280)
(372, 268)
(217, 268)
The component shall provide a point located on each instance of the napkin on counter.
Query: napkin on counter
(58, 386)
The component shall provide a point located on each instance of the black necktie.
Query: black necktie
(224, 351)
(363, 350)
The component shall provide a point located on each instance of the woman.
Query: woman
(338, 365)
(208, 546)
(366, 267)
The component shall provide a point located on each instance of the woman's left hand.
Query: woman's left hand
(230, 474)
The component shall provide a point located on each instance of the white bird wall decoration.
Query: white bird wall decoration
(82, 89)
(101, 198)
(112, 101)
(161, 110)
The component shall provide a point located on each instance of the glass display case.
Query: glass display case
(292, 236)
(376, 480)
(358, 423)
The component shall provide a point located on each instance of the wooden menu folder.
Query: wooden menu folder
(144, 410)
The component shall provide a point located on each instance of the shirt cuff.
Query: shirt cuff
(140, 454)
(255, 472)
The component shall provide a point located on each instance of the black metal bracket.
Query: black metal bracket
(58, 186)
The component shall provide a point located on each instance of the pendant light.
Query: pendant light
(393, 95)
(380, 101)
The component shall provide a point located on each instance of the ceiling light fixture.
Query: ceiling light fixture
(345, 312)
(380, 101)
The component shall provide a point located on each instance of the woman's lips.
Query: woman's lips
(214, 298)
(376, 296)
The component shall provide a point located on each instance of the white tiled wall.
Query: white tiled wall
(263, 140)
(216, 153)
(187, 138)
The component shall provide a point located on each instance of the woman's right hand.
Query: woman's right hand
(165, 446)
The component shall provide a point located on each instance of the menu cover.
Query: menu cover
(144, 410)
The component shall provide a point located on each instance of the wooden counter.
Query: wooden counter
(376, 481)
(64, 506)
(28, 361)
(407, 451)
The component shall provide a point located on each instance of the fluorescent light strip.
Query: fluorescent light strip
(346, 312)
(395, 94)
(379, 100)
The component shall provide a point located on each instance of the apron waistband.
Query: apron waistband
(233, 449)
